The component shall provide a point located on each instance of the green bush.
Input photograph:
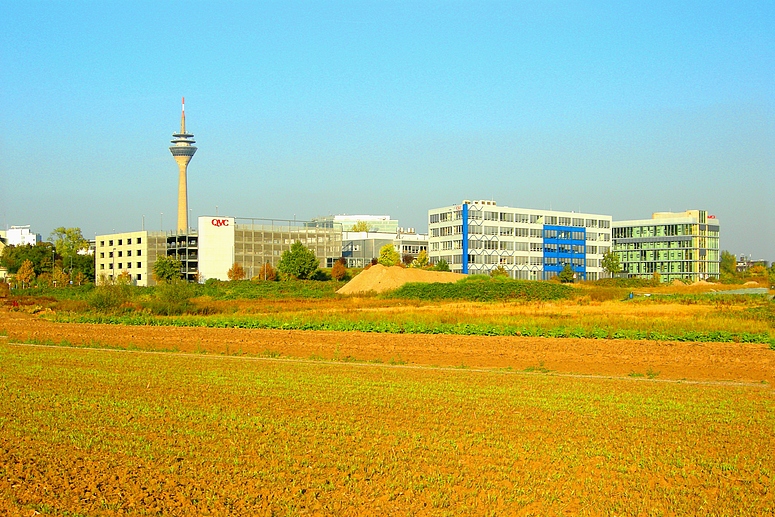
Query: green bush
(484, 289)
(109, 297)
(171, 298)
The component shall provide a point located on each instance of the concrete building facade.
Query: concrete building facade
(676, 245)
(132, 252)
(476, 237)
(251, 243)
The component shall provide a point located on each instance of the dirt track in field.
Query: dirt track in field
(730, 362)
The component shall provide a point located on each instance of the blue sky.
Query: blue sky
(302, 109)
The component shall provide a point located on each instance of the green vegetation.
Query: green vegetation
(388, 256)
(342, 324)
(166, 269)
(482, 288)
(299, 262)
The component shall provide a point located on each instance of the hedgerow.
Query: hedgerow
(480, 288)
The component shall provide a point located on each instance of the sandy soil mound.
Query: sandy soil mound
(379, 278)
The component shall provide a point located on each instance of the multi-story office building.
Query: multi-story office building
(676, 245)
(476, 237)
(130, 252)
(251, 243)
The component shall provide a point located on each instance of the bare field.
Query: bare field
(735, 362)
(101, 432)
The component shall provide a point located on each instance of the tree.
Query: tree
(68, 242)
(26, 273)
(236, 272)
(421, 261)
(339, 271)
(360, 226)
(499, 271)
(441, 265)
(166, 269)
(298, 262)
(728, 263)
(267, 273)
(611, 263)
(567, 275)
(61, 278)
(41, 255)
(388, 256)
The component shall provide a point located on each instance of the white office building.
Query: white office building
(476, 237)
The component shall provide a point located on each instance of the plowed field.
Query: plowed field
(230, 422)
(735, 362)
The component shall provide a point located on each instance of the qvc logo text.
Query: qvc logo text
(220, 222)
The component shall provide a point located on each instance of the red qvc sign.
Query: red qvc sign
(219, 222)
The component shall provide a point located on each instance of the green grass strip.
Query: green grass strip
(460, 329)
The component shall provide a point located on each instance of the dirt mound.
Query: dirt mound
(379, 279)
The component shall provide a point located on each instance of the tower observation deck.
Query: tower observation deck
(182, 150)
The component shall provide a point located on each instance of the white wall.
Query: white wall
(216, 246)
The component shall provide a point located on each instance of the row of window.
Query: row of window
(120, 265)
(138, 240)
(510, 217)
(120, 254)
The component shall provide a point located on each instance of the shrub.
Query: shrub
(338, 272)
(484, 289)
(236, 272)
(267, 272)
(109, 297)
(171, 298)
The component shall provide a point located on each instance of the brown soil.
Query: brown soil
(379, 278)
(726, 362)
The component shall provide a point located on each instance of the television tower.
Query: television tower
(183, 151)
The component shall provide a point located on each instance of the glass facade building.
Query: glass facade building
(672, 245)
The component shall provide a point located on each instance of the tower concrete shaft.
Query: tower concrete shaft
(183, 150)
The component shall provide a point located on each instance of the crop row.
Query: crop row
(409, 327)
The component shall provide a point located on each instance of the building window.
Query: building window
(120, 242)
(120, 252)
(120, 265)
(139, 276)
(102, 244)
(102, 266)
(110, 243)
(129, 241)
(128, 253)
(139, 240)
(102, 254)
(110, 266)
(129, 265)
(139, 252)
(110, 254)
(139, 265)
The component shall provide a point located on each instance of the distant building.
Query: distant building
(20, 236)
(359, 248)
(676, 245)
(476, 237)
(251, 243)
(374, 223)
(133, 252)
